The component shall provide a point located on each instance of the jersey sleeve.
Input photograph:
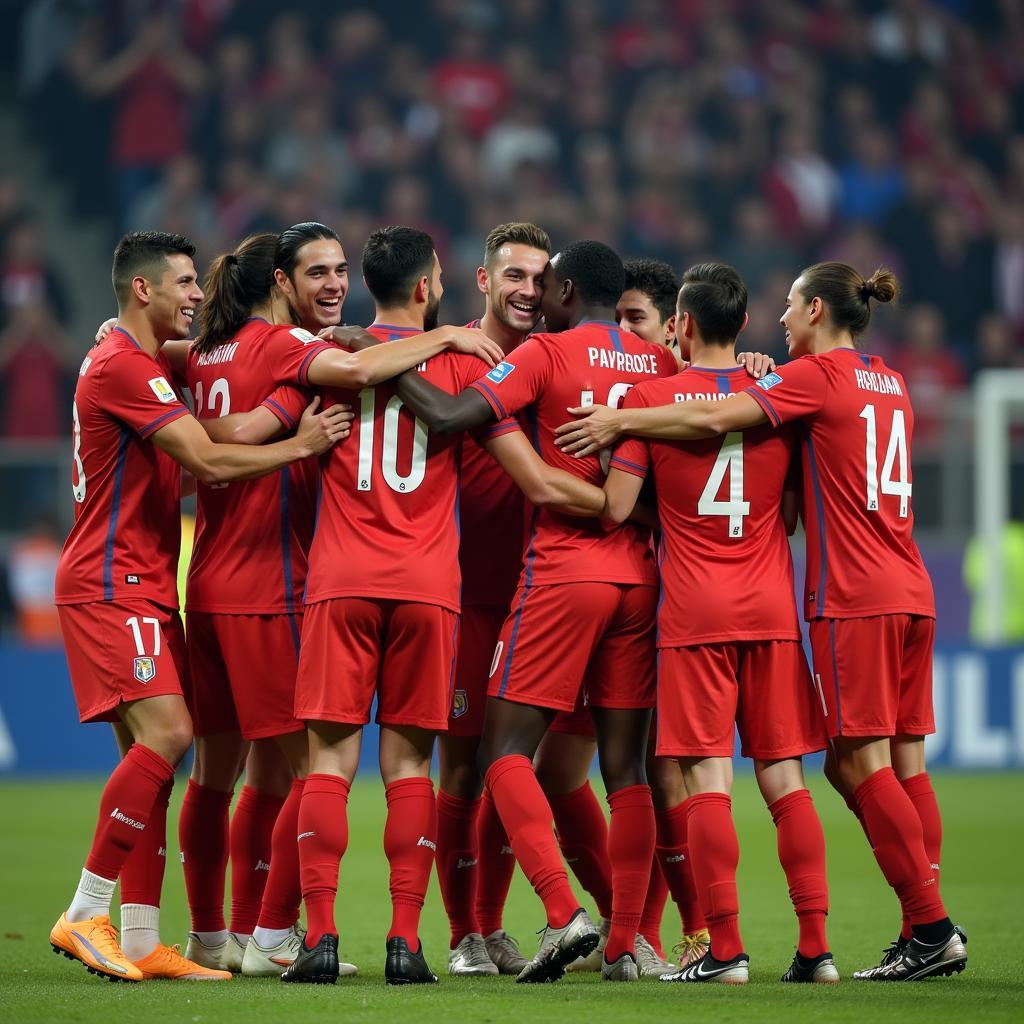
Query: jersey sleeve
(287, 403)
(632, 455)
(469, 369)
(518, 380)
(289, 352)
(136, 390)
(668, 365)
(793, 391)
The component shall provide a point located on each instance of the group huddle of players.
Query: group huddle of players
(528, 545)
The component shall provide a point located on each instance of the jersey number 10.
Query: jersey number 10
(895, 452)
(389, 455)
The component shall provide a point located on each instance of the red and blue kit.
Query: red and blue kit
(248, 567)
(546, 648)
(387, 534)
(728, 632)
(116, 585)
(862, 562)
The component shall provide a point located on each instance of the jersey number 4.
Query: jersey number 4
(729, 461)
(389, 455)
(896, 452)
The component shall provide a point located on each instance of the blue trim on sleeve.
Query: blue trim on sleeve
(759, 396)
(494, 398)
(115, 511)
(282, 414)
(161, 420)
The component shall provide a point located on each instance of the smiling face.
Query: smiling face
(796, 320)
(173, 298)
(514, 284)
(637, 313)
(318, 285)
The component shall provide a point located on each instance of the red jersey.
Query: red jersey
(252, 537)
(594, 362)
(127, 531)
(388, 522)
(858, 423)
(493, 512)
(726, 570)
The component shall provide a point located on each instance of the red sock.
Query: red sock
(410, 843)
(252, 826)
(583, 839)
(526, 815)
(281, 896)
(322, 841)
(142, 876)
(851, 801)
(457, 861)
(673, 855)
(802, 856)
(125, 808)
(203, 841)
(922, 796)
(712, 836)
(654, 907)
(899, 848)
(630, 849)
(496, 867)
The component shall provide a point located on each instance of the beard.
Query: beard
(430, 314)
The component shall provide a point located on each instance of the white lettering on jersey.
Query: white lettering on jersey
(221, 354)
(883, 383)
(715, 396)
(628, 362)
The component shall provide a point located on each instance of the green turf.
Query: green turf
(47, 828)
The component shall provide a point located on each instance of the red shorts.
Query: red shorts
(761, 688)
(874, 675)
(354, 647)
(120, 652)
(564, 636)
(243, 673)
(479, 629)
(577, 722)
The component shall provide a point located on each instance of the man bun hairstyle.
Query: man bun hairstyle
(847, 293)
(235, 283)
(144, 254)
(716, 297)
(292, 239)
(595, 270)
(394, 259)
(515, 233)
(657, 280)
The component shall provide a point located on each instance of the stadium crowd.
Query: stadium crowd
(767, 135)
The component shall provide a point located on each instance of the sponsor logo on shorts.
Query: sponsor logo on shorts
(424, 841)
(262, 865)
(163, 390)
(118, 815)
(767, 383)
(500, 372)
(463, 863)
(145, 669)
(460, 704)
(497, 658)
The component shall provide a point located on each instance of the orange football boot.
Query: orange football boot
(168, 963)
(94, 943)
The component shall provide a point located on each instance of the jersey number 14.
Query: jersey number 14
(895, 454)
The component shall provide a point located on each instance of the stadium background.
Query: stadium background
(769, 135)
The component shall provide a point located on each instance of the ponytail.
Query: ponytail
(847, 293)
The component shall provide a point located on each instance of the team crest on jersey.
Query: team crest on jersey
(303, 335)
(500, 372)
(162, 389)
(145, 669)
(460, 704)
(767, 383)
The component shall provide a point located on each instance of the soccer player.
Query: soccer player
(729, 645)
(867, 593)
(582, 616)
(116, 582)
(647, 306)
(381, 611)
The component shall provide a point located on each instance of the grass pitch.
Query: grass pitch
(48, 826)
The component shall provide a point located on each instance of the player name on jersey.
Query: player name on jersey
(221, 354)
(630, 362)
(882, 383)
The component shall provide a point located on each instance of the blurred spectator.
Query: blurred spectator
(976, 577)
(177, 202)
(996, 347)
(1009, 264)
(755, 248)
(801, 185)
(31, 570)
(469, 83)
(27, 277)
(872, 181)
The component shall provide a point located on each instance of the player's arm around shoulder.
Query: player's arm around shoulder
(543, 485)
(187, 442)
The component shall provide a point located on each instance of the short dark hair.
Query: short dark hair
(515, 233)
(144, 254)
(394, 259)
(595, 270)
(716, 297)
(657, 280)
(292, 239)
